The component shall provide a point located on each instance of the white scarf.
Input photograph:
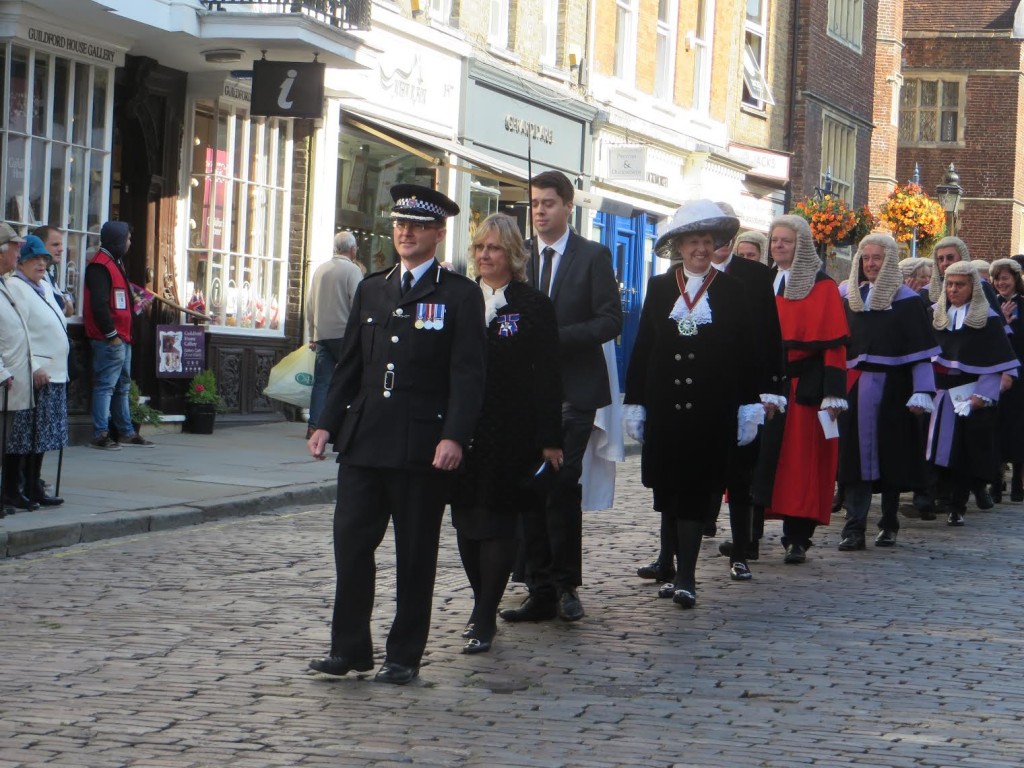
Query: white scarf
(494, 299)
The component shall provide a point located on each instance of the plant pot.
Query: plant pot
(199, 418)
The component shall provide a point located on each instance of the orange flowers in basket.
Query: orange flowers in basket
(832, 222)
(908, 207)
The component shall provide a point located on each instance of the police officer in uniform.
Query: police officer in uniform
(402, 406)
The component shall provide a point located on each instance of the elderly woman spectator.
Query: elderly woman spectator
(917, 272)
(798, 462)
(753, 246)
(44, 427)
(516, 446)
(1006, 279)
(15, 366)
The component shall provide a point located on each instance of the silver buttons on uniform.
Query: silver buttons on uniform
(391, 366)
(678, 407)
(386, 393)
(689, 406)
(689, 381)
(678, 356)
(678, 382)
(394, 339)
(690, 356)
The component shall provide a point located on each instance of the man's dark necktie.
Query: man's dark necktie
(782, 287)
(545, 272)
(406, 282)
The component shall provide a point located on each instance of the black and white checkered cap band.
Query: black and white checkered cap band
(416, 203)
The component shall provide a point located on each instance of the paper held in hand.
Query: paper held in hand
(829, 425)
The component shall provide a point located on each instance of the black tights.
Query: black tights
(488, 563)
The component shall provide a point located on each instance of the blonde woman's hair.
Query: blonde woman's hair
(509, 239)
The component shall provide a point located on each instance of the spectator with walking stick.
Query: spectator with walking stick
(15, 368)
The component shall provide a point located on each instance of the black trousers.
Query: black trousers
(554, 532)
(367, 499)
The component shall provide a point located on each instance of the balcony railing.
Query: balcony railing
(343, 14)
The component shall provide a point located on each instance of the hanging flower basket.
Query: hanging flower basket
(908, 210)
(830, 219)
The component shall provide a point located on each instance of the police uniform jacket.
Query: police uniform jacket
(411, 371)
(691, 386)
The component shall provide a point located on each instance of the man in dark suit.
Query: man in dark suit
(578, 276)
(403, 404)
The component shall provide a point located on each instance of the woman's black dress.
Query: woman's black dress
(522, 415)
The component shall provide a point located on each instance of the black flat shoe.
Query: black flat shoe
(740, 572)
(753, 550)
(656, 571)
(21, 501)
(470, 630)
(983, 499)
(684, 598)
(795, 554)
(339, 665)
(48, 501)
(955, 519)
(852, 543)
(396, 674)
(667, 589)
(476, 645)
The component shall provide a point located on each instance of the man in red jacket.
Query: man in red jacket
(108, 325)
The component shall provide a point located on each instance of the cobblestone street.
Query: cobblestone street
(189, 648)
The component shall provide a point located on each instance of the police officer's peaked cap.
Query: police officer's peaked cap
(416, 203)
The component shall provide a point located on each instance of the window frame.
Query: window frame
(497, 23)
(755, 64)
(665, 44)
(624, 64)
(550, 22)
(846, 23)
(942, 80)
(702, 42)
(843, 166)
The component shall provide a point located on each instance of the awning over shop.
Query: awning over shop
(436, 150)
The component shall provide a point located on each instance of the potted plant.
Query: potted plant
(141, 411)
(202, 403)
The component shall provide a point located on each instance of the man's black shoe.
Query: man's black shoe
(532, 609)
(656, 571)
(852, 542)
(569, 606)
(795, 554)
(339, 665)
(21, 501)
(983, 499)
(396, 674)
(753, 550)
(886, 538)
(956, 519)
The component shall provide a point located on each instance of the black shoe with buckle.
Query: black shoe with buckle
(685, 598)
(740, 572)
(569, 606)
(340, 665)
(886, 538)
(955, 519)
(396, 674)
(667, 589)
(656, 571)
(532, 609)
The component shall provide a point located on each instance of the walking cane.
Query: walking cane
(60, 466)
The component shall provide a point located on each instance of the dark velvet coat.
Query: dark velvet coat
(691, 387)
(1011, 402)
(522, 415)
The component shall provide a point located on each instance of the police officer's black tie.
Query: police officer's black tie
(545, 272)
(406, 282)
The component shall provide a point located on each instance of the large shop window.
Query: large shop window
(931, 112)
(56, 150)
(238, 221)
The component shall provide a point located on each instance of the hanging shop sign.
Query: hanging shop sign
(287, 89)
(627, 163)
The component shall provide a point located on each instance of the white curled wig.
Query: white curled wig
(889, 279)
(755, 238)
(935, 289)
(806, 264)
(977, 311)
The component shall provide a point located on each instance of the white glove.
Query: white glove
(633, 418)
(834, 402)
(921, 400)
(749, 418)
(963, 408)
(777, 400)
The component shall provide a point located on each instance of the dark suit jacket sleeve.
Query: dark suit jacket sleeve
(768, 332)
(605, 321)
(467, 368)
(348, 373)
(547, 374)
(636, 372)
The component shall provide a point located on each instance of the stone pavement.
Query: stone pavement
(187, 648)
(183, 480)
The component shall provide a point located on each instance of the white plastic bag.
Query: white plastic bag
(291, 380)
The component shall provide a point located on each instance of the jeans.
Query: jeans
(327, 353)
(111, 380)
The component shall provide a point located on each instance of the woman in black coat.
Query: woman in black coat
(1005, 275)
(520, 428)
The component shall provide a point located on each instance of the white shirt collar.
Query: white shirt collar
(418, 271)
(558, 246)
(956, 316)
(724, 265)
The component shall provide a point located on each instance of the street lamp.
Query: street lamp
(950, 193)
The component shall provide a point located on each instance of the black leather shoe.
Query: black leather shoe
(47, 501)
(684, 598)
(470, 630)
(21, 501)
(795, 554)
(710, 529)
(928, 513)
(396, 674)
(983, 499)
(476, 645)
(838, 501)
(886, 538)
(753, 550)
(667, 589)
(955, 519)
(532, 609)
(656, 571)
(852, 542)
(569, 606)
(339, 665)
(740, 572)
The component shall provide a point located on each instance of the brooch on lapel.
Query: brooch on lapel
(430, 316)
(508, 325)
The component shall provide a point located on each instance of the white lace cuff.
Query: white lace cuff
(634, 413)
(751, 414)
(779, 401)
(986, 400)
(834, 402)
(921, 400)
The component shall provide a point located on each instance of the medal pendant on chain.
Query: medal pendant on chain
(687, 327)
